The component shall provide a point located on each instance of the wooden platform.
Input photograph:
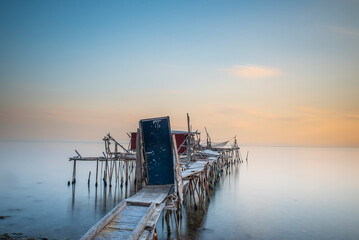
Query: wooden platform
(133, 218)
(151, 194)
(195, 167)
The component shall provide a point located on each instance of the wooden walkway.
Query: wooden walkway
(157, 162)
(133, 218)
(136, 216)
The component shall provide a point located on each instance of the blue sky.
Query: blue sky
(78, 69)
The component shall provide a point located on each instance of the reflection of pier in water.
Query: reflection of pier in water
(106, 197)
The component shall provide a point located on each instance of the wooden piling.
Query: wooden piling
(111, 172)
(119, 171)
(198, 195)
(74, 173)
(126, 173)
(139, 160)
(177, 225)
(96, 172)
(88, 181)
(192, 191)
(116, 173)
(106, 170)
(168, 212)
(206, 181)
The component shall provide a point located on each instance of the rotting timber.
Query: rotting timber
(169, 174)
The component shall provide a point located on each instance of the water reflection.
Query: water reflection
(104, 196)
(287, 193)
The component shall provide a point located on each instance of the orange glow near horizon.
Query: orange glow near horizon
(272, 75)
(300, 126)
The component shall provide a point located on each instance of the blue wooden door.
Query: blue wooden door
(156, 134)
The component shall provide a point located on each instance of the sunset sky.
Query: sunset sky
(270, 72)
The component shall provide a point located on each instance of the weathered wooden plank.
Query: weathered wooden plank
(153, 219)
(194, 168)
(122, 225)
(125, 219)
(140, 226)
(113, 234)
(94, 230)
(133, 211)
(144, 235)
(152, 194)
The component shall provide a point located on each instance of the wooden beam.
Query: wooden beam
(139, 160)
(95, 229)
(142, 223)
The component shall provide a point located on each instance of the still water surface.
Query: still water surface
(281, 193)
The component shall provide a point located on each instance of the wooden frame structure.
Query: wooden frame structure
(195, 176)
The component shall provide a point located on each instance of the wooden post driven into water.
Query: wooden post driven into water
(126, 163)
(74, 169)
(88, 182)
(96, 172)
(74, 173)
(105, 173)
(139, 160)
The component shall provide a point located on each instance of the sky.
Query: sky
(268, 72)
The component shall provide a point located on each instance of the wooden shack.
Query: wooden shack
(181, 140)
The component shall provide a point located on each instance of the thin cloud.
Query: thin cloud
(345, 31)
(254, 72)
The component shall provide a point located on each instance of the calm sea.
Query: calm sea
(280, 193)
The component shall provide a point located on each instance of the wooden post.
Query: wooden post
(188, 141)
(177, 171)
(126, 172)
(115, 169)
(155, 235)
(119, 170)
(192, 190)
(111, 172)
(101, 170)
(74, 173)
(206, 179)
(139, 161)
(96, 172)
(168, 212)
(88, 181)
(177, 226)
(199, 196)
(105, 173)
(115, 165)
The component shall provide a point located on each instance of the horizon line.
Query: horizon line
(241, 144)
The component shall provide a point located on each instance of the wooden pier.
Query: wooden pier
(164, 180)
(133, 218)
